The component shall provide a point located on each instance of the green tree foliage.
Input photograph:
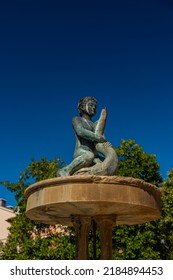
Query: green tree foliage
(20, 243)
(36, 171)
(152, 240)
(136, 163)
(165, 224)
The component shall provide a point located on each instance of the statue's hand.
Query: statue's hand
(105, 112)
(102, 139)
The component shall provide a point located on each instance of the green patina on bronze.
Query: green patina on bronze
(90, 143)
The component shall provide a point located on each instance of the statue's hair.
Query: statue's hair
(83, 101)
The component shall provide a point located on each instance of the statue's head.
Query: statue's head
(87, 105)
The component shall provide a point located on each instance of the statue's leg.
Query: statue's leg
(84, 160)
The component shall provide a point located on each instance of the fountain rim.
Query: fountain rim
(134, 182)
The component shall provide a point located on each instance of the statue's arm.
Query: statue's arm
(85, 133)
(101, 123)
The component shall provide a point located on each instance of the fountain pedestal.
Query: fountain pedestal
(78, 200)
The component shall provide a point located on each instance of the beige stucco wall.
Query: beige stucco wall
(5, 214)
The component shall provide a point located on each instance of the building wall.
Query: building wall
(5, 214)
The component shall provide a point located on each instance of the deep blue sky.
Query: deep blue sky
(52, 53)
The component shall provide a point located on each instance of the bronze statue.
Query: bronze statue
(90, 142)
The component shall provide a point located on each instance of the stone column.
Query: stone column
(82, 225)
(105, 224)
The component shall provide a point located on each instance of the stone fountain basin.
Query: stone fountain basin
(59, 200)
